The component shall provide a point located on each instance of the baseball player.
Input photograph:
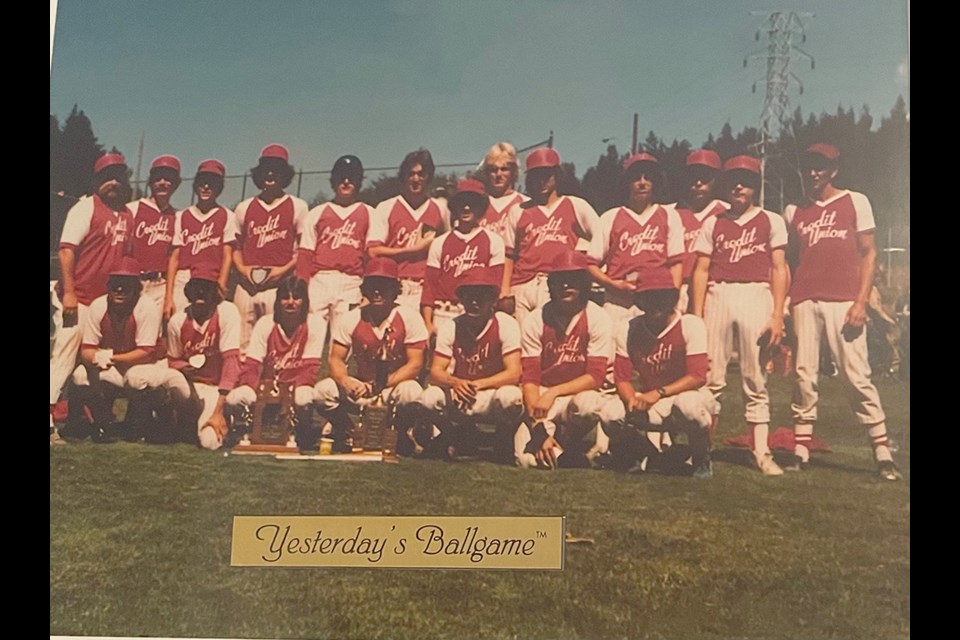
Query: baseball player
(668, 352)
(203, 343)
(453, 255)
(95, 236)
(286, 347)
(475, 370)
(267, 227)
(702, 168)
(203, 238)
(833, 237)
(541, 228)
(117, 351)
(382, 328)
(404, 226)
(153, 222)
(566, 348)
(740, 279)
(642, 241)
(500, 172)
(333, 243)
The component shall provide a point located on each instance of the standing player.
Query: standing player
(668, 351)
(567, 346)
(740, 279)
(697, 204)
(95, 236)
(500, 171)
(404, 226)
(153, 221)
(203, 238)
(333, 243)
(285, 348)
(267, 227)
(453, 255)
(540, 229)
(475, 368)
(833, 235)
(382, 328)
(203, 342)
(642, 241)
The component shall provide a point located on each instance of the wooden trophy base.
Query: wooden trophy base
(247, 448)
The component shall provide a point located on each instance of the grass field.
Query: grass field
(140, 545)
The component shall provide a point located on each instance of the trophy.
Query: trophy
(375, 430)
(274, 419)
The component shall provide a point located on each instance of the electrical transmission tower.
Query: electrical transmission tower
(783, 30)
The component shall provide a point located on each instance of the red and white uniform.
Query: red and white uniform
(498, 212)
(363, 340)
(536, 234)
(692, 222)
(218, 340)
(474, 357)
(395, 224)
(640, 247)
(151, 241)
(738, 294)
(291, 359)
(333, 250)
(452, 255)
(266, 237)
(139, 330)
(99, 237)
(550, 358)
(824, 287)
(201, 238)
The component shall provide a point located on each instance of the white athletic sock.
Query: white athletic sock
(761, 436)
(802, 435)
(878, 438)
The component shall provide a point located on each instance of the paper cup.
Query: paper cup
(326, 446)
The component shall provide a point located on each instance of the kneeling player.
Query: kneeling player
(566, 348)
(383, 338)
(668, 351)
(285, 348)
(476, 364)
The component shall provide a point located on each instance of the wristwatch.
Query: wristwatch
(662, 392)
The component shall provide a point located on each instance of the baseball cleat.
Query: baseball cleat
(796, 463)
(768, 466)
(887, 470)
(704, 470)
(55, 438)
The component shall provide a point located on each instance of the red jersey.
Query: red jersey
(268, 232)
(139, 330)
(364, 340)
(481, 356)
(498, 212)
(152, 235)
(397, 225)
(99, 237)
(692, 221)
(740, 249)
(218, 339)
(550, 357)
(292, 359)
(679, 350)
(645, 244)
(201, 239)
(335, 238)
(452, 255)
(826, 236)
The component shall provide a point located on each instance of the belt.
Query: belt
(151, 275)
(447, 305)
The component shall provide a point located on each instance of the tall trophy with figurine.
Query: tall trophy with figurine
(376, 430)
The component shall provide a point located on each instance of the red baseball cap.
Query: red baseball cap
(126, 266)
(825, 150)
(639, 157)
(275, 151)
(569, 260)
(540, 158)
(108, 160)
(743, 163)
(166, 162)
(705, 158)
(469, 185)
(479, 278)
(382, 268)
(212, 166)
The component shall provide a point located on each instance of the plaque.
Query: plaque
(259, 275)
(274, 421)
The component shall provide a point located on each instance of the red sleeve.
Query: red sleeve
(177, 363)
(429, 294)
(230, 371)
(304, 268)
(697, 366)
(250, 373)
(307, 373)
(622, 369)
(531, 370)
(597, 368)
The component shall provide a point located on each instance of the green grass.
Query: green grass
(140, 545)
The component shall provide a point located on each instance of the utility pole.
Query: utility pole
(783, 29)
(636, 122)
(136, 176)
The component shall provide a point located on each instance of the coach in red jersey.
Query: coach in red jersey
(203, 238)
(405, 225)
(96, 234)
(500, 172)
(740, 280)
(333, 243)
(382, 328)
(475, 371)
(542, 228)
(153, 221)
(702, 169)
(832, 239)
(267, 227)
(642, 241)
(668, 352)
(567, 346)
(453, 255)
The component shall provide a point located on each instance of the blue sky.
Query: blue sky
(222, 78)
